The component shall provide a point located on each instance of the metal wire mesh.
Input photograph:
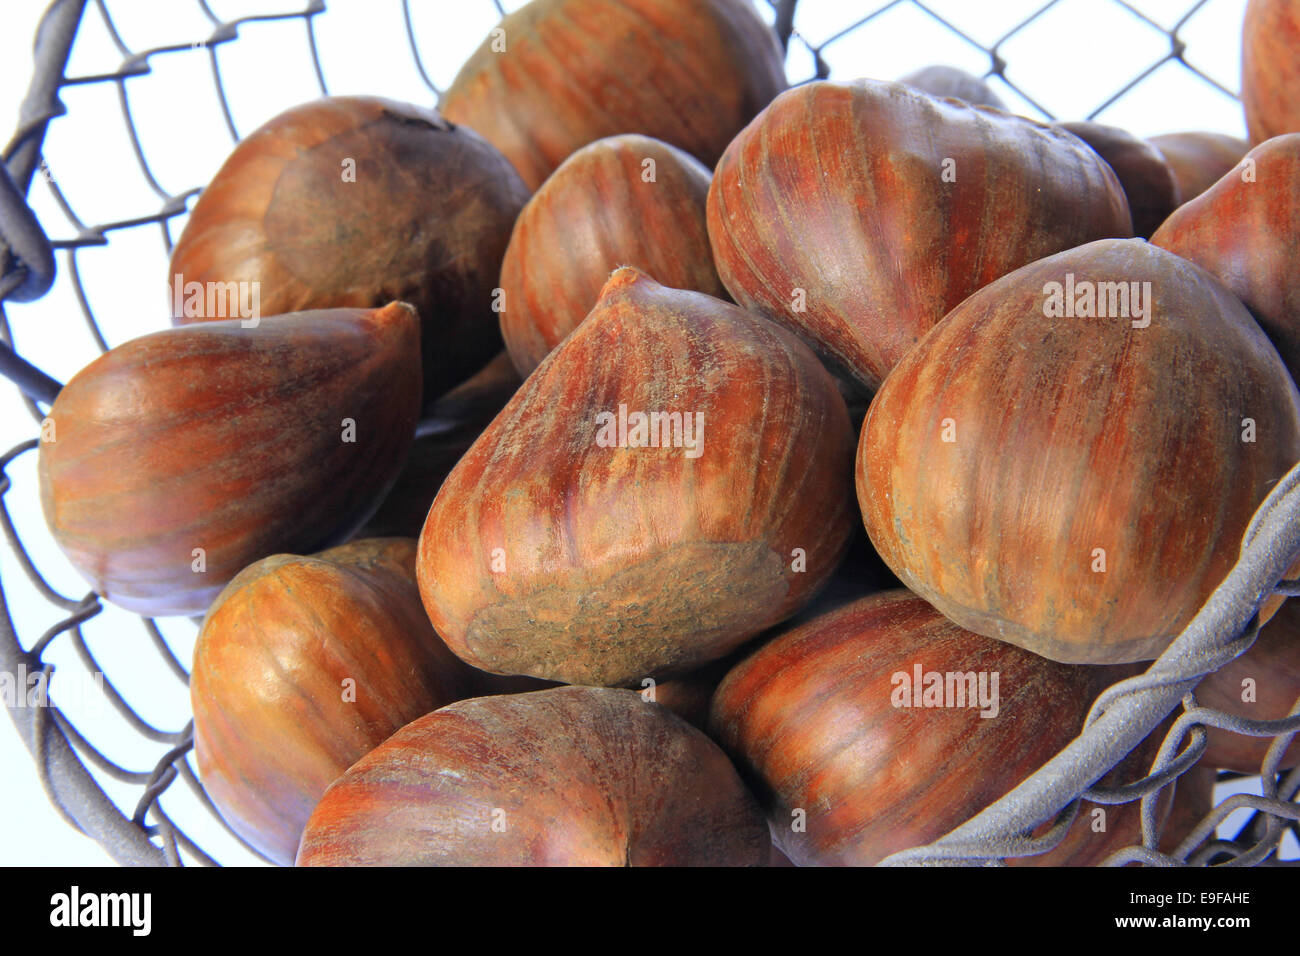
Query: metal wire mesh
(31, 250)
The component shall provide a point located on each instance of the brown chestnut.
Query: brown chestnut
(1068, 461)
(358, 201)
(1270, 70)
(882, 725)
(674, 478)
(303, 665)
(1245, 229)
(575, 776)
(857, 214)
(620, 201)
(1198, 160)
(177, 459)
(1147, 178)
(556, 75)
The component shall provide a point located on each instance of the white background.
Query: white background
(1070, 61)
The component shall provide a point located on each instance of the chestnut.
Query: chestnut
(858, 214)
(1144, 173)
(1270, 70)
(620, 201)
(556, 75)
(357, 201)
(1068, 462)
(1198, 160)
(574, 776)
(179, 458)
(882, 725)
(303, 665)
(673, 479)
(1245, 229)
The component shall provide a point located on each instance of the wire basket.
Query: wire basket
(130, 808)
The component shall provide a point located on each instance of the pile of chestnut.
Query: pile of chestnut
(606, 597)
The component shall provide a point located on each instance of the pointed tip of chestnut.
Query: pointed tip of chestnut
(626, 284)
(397, 315)
(399, 325)
(624, 279)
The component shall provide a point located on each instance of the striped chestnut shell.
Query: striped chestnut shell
(181, 457)
(621, 201)
(574, 776)
(303, 665)
(1073, 478)
(857, 214)
(556, 75)
(579, 543)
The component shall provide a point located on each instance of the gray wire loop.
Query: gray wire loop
(24, 248)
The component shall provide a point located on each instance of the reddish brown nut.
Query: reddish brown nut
(1270, 69)
(620, 201)
(858, 214)
(1070, 459)
(357, 201)
(182, 457)
(856, 750)
(303, 665)
(1245, 229)
(670, 481)
(575, 776)
(559, 74)
(1147, 178)
(1198, 160)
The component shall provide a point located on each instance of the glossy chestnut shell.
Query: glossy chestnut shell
(858, 214)
(182, 457)
(1079, 485)
(556, 75)
(359, 201)
(567, 547)
(620, 201)
(575, 776)
(304, 664)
